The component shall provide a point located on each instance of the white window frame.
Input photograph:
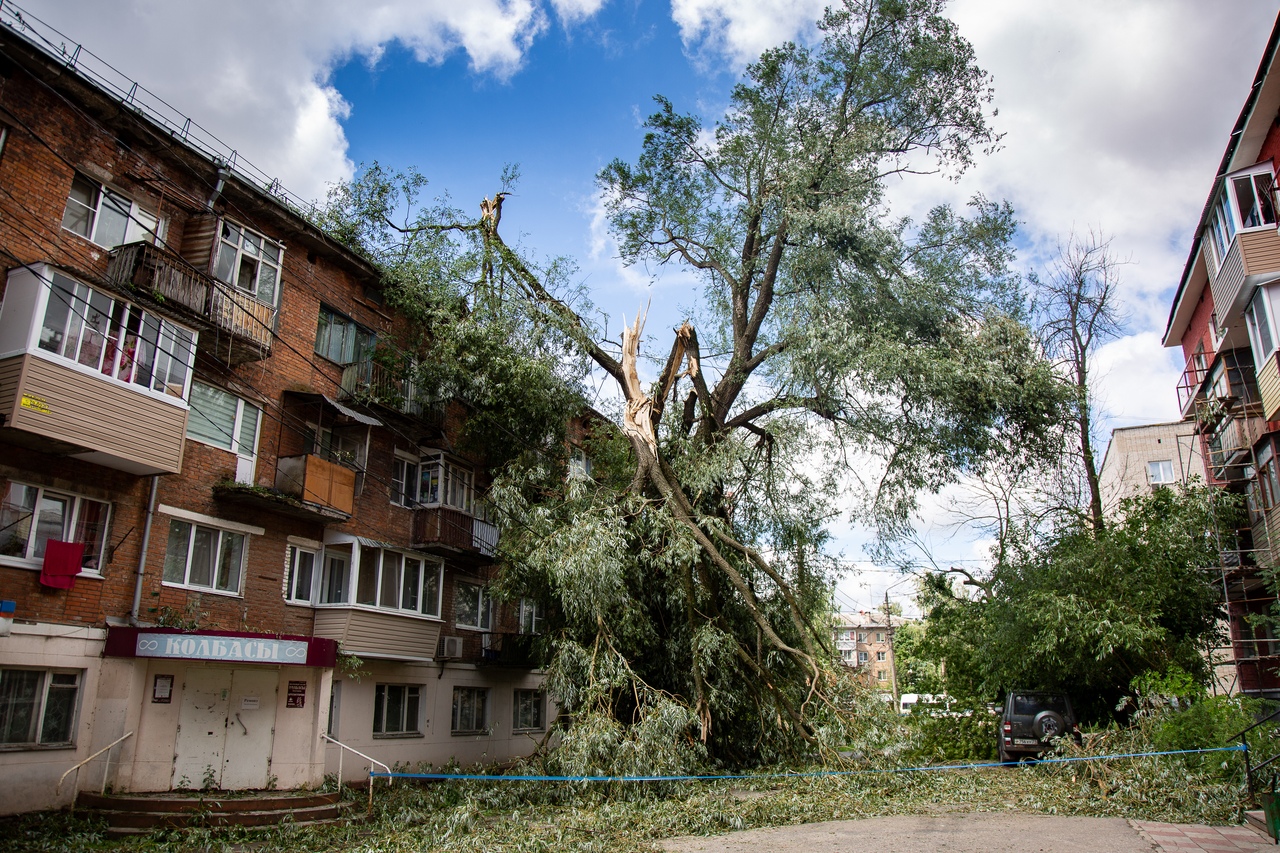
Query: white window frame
(1263, 338)
(354, 343)
(531, 615)
(483, 605)
(302, 567)
(579, 463)
(881, 657)
(71, 521)
(240, 249)
(525, 701)
(335, 574)
(863, 657)
(381, 692)
(1227, 219)
(40, 707)
(433, 480)
(391, 574)
(479, 703)
(93, 324)
(221, 535)
(140, 223)
(241, 438)
(1157, 468)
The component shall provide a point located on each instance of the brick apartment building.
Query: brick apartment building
(1226, 318)
(209, 488)
(865, 640)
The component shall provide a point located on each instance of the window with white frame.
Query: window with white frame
(470, 710)
(1160, 472)
(399, 580)
(300, 574)
(335, 581)
(249, 262)
(204, 557)
(863, 657)
(38, 707)
(579, 463)
(879, 636)
(432, 480)
(862, 636)
(1260, 321)
(225, 421)
(881, 656)
(530, 616)
(116, 338)
(107, 217)
(472, 607)
(529, 711)
(341, 339)
(33, 515)
(397, 710)
(882, 675)
(1245, 201)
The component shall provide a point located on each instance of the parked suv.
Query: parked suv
(1030, 720)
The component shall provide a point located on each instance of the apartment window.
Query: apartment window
(223, 420)
(432, 480)
(528, 713)
(879, 636)
(32, 515)
(204, 557)
(846, 654)
(106, 217)
(397, 709)
(882, 675)
(862, 636)
(117, 339)
(1160, 473)
(472, 606)
(470, 705)
(881, 657)
(1268, 477)
(38, 707)
(1252, 196)
(1222, 227)
(300, 574)
(248, 262)
(335, 582)
(395, 580)
(863, 657)
(530, 616)
(341, 339)
(579, 463)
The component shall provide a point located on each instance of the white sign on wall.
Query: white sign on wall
(244, 649)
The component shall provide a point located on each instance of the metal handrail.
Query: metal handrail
(58, 790)
(372, 761)
(1249, 768)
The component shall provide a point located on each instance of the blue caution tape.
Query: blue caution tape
(478, 777)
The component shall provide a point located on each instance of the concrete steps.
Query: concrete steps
(136, 814)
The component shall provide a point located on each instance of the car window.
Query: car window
(1029, 704)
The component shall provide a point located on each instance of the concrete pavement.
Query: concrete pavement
(996, 832)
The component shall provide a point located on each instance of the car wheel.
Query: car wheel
(1048, 724)
(1004, 756)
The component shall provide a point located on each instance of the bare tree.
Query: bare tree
(1078, 311)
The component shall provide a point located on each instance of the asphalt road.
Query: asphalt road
(973, 833)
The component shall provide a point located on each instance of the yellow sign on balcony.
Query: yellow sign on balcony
(36, 404)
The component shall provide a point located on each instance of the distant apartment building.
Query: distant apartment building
(864, 640)
(1140, 458)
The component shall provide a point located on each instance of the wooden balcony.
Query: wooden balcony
(1254, 257)
(378, 634)
(169, 281)
(372, 383)
(1231, 439)
(445, 530)
(55, 408)
(315, 480)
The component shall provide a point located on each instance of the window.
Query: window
(204, 557)
(863, 657)
(1268, 477)
(335, 584)
(472, 606)
(846, 654)
(1160, 473)
(528, 712)
(224, 420)
(862, 636)
(879, 636)
(32, 515)
(106, 217)
(579, 463)
(248, 262)
(434, 480)
(882, 675)
(394, 580)
(300, 574)
(396, 709)
(38, 707)
(1244, 202)
(341, 339)
(881, 657)
(530, 616)
(469, 710)
(116, 338)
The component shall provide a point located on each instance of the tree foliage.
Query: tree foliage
(689, 576)
(1087, 612)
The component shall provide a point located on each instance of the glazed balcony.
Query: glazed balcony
(372, 633)
(238, 327)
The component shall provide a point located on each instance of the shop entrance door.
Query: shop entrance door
(226, 727)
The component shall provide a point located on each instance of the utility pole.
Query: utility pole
(893, 658)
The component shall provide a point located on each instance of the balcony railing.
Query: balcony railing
(368, 381)
(1233, 436)
(171, 281)
(446, 528)
(1189, 383)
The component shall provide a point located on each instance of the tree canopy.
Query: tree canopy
(832, 344)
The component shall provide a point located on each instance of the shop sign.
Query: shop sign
(248, 650)
(297, 695)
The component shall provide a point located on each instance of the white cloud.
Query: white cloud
(256, 74)
(740, 30)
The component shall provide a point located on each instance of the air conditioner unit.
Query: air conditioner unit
(450, 647)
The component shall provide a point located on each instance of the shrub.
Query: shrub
(952, 736)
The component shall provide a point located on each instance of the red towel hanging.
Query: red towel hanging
(61, 563)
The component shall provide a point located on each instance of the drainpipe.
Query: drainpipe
(223, 174)
(142, 555)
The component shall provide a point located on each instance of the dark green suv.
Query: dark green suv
(1031, 720)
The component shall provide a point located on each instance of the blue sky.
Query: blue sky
(1115, 113)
